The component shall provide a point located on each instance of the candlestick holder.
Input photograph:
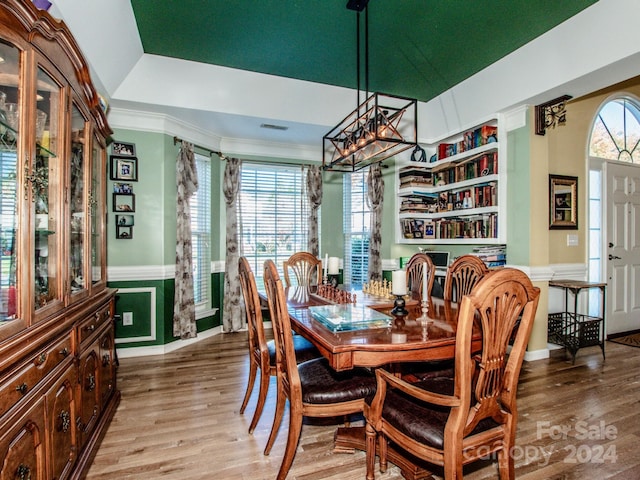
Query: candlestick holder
(325, 280)
(424, 308)
(398, 306)
(423, 319)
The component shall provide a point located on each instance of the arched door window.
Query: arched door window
(616, 132)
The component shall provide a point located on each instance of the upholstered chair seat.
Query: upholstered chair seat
(321, 384)
(424, 423)
(305, 350)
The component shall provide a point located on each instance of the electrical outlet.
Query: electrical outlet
(127, 319)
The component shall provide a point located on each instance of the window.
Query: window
(595, 238)
(357, 223)
(615, 136)
(274, 214)
(616, 132)
(201, 234)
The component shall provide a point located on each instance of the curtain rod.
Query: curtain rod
(222, 157)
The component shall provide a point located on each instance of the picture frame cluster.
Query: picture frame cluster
(123, 170)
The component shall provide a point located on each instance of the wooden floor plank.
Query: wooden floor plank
(179, 419)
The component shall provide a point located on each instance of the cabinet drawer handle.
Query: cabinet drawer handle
(65, 421)
(22, 388)
(23, 472)
(90, 328)
(64, 352)
(42, 358)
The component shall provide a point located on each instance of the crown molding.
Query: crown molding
(129, 119)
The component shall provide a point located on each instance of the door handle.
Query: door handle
(611, 245)
(614, 257)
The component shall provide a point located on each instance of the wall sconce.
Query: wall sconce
(551, 113)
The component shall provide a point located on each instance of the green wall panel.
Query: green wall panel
(150, 301)
(518, 196)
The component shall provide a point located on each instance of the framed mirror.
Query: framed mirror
(563, 202)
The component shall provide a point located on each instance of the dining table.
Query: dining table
(427, 331)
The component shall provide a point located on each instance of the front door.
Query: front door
(623, 247)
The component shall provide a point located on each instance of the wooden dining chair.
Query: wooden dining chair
(462, 275)
(306, 267)
(262, 353)
(414, 270)
(453, 421)
(312, 388)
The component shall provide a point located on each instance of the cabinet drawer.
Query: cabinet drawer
(25, 378)
(87, 327)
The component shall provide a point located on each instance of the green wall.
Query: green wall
(518, 196)
(152, 247)
(153, 225)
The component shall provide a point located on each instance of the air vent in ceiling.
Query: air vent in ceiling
(274, 127)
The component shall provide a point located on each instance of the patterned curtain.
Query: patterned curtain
(314, 194)
(232, 319)
(184, 309)
(375, 199)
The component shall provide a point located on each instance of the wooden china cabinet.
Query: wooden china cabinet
(57, 354)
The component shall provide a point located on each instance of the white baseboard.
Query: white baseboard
(168, 348)
(536, 355)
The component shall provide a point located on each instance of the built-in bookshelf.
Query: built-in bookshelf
(456, 196)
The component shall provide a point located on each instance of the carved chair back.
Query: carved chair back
(306, 267)
(462, 275)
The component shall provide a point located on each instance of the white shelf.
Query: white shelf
(464, 156)
(465, 212)
(467, 215)
(448, 187)
(457, 241)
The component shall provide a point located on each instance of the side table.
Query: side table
(575, 330)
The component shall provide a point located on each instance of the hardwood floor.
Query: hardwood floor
(178, 419)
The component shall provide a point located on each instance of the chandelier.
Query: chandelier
(380, 127)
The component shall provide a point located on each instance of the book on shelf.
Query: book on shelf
(470, 140)
(492, 255)
(499, 263)
(415, 183)
(347, 317)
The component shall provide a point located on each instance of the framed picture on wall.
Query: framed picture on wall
(563, 202)
(124, 233)
(123, 149)
(124, 168)
(124, 220)
(124, 202)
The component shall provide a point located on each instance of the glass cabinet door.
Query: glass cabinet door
(44, 177)
(77, 202)
(9, 161)
(96, 208)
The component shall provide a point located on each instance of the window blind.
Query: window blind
(201, 233)
(356, 226)
(274, 214)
